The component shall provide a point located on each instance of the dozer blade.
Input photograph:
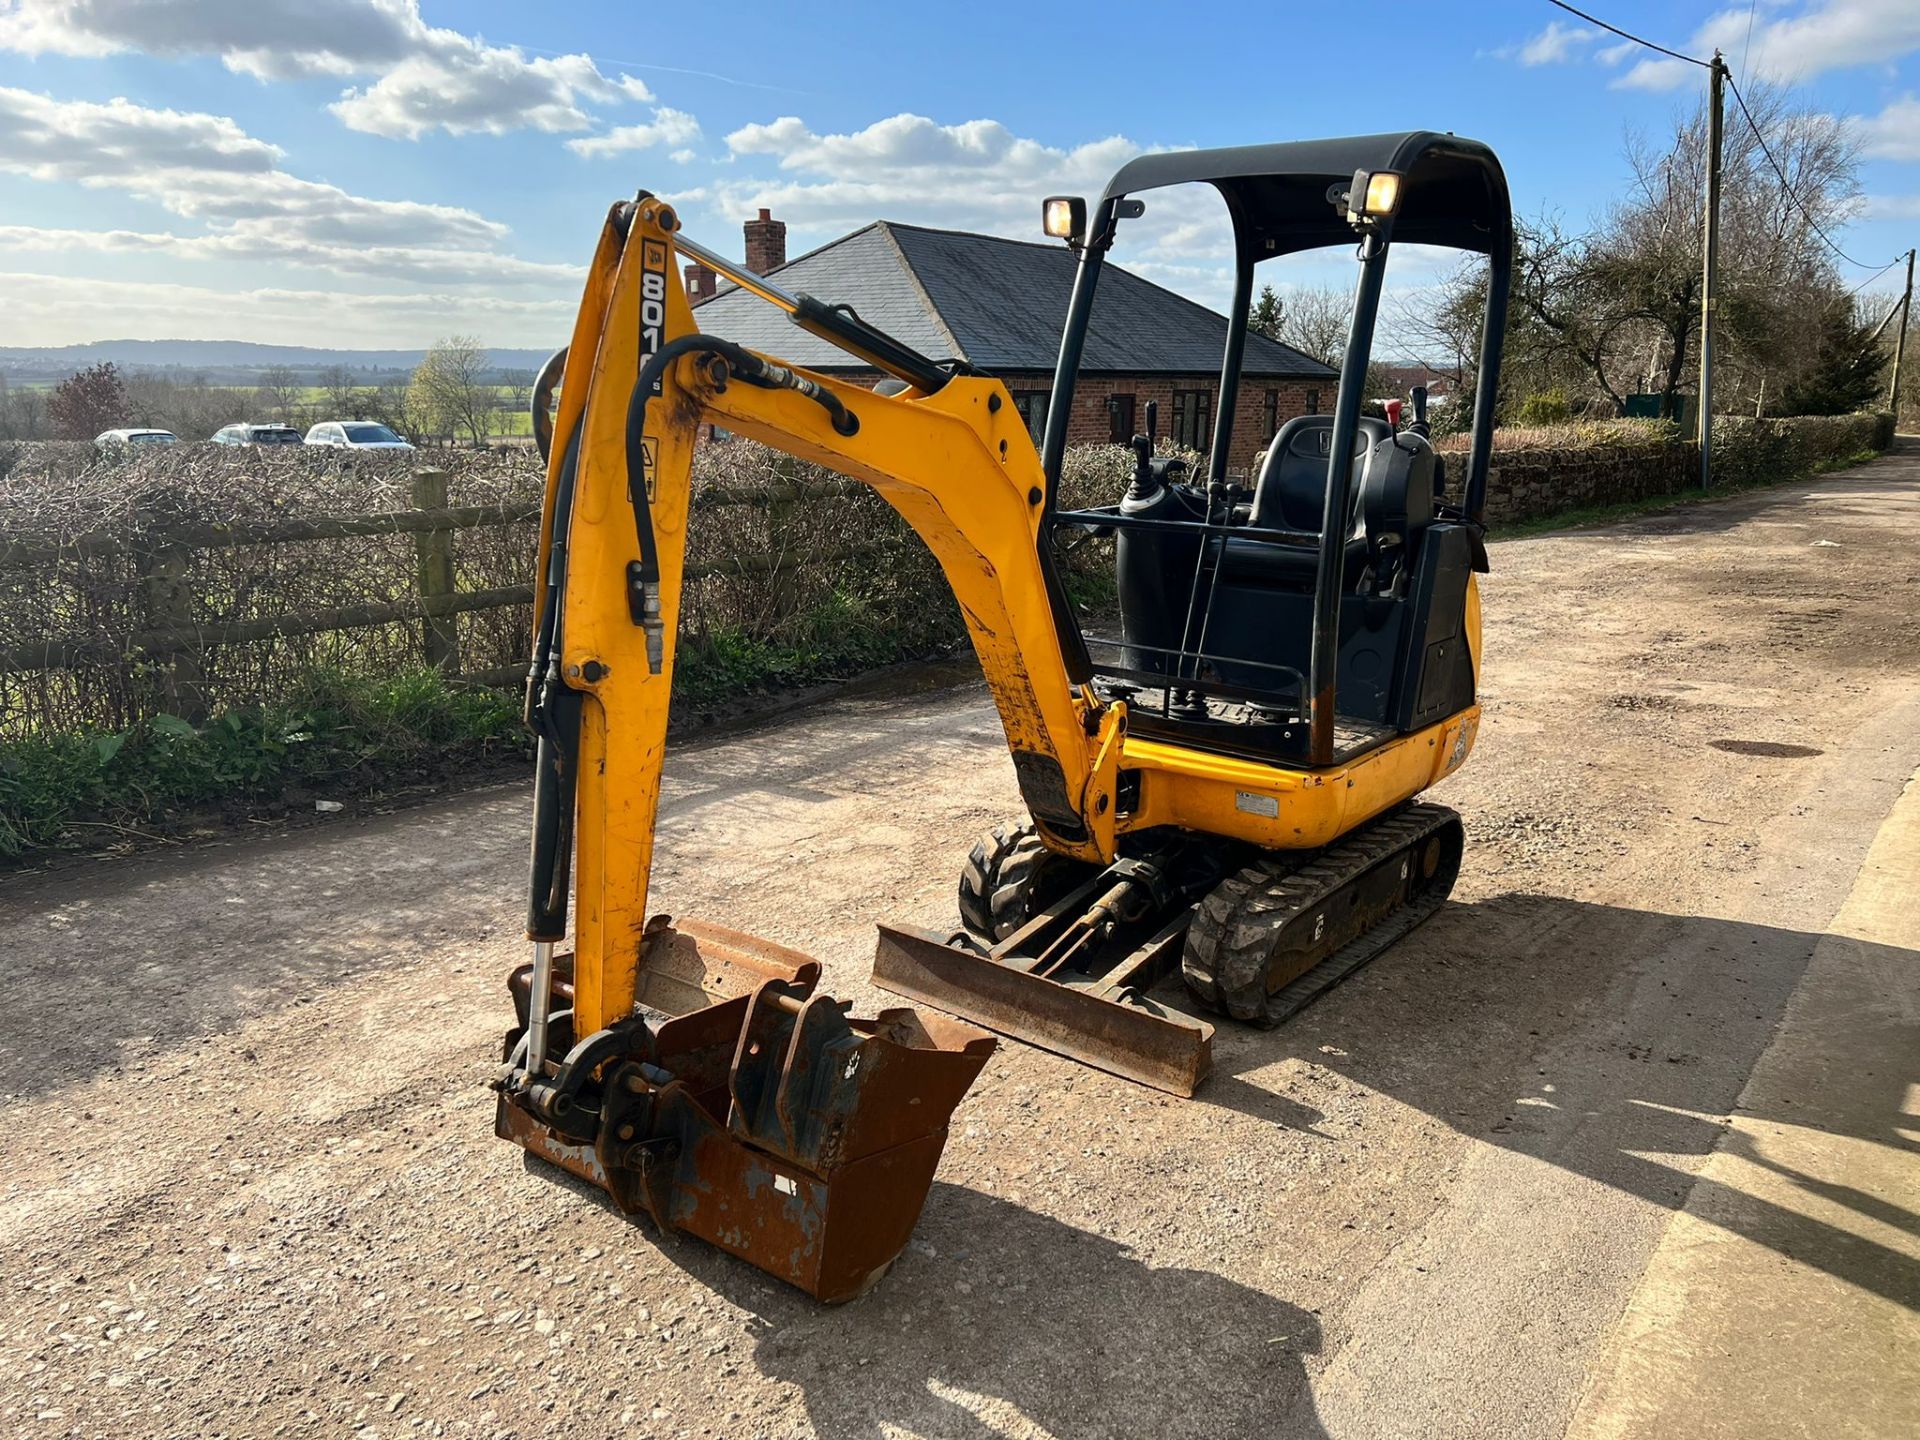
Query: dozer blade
(1110, 1026)
(739, 1105)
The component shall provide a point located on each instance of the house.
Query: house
(1440, 383)
(999, 304)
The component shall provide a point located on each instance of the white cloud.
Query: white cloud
(1552, 45)
(668, 127)
(1819, 36)
(278, 245)
(56, 309)
(426, 77)
(908, 167)
(1891, 207)
(1893, 134)
(1657, 74)
(205, 167)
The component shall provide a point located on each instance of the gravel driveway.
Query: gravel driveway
(250, 1186)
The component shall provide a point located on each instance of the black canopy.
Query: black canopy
(1452, 191)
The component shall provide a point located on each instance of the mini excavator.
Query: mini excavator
(1223, 787)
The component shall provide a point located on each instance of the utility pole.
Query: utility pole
(1710, 262)
(1900, 345)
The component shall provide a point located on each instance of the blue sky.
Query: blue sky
(379, 172)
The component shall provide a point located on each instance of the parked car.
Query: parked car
(257, 435)
(136, 437)
(356, 435)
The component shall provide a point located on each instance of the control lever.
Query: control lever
(1145, 482)
(1420, 426)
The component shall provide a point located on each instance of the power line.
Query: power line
(1876, 275)
(1799, 205)
(1625, 35)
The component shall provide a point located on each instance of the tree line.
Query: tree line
(453, 395)
(1606, 317)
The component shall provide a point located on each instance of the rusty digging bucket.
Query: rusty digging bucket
(739, 1105)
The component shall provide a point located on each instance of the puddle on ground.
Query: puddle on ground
(1772, 749)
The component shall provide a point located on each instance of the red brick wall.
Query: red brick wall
(1092, 423)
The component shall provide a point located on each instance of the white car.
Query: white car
(356, 435)
(136, 437)
(257, 435)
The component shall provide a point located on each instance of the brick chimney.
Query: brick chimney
(701, 283)
(766, 243)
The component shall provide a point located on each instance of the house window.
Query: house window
(1032, 405)
(1190, 427)
(1270, 414)
(1120, 418)
(1313, 402)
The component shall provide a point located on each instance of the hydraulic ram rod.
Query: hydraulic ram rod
(836, 324)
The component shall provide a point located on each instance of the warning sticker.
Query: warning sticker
(649, 462)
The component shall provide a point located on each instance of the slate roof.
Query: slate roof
(997, 304)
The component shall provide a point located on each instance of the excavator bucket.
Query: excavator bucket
(742, 1106)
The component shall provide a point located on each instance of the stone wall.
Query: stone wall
(1540, 473)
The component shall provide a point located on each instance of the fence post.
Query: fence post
(166, 600)
(434, 550)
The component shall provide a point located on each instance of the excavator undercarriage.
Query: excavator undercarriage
(1224, 791)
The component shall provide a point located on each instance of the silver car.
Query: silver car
(257, 435)
(135, 437)
(356, 435)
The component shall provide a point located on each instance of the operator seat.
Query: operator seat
(1291, 494)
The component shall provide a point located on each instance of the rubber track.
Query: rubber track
(1237, 927)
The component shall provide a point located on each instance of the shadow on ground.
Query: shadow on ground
(1607, 1041)
(998, 1320)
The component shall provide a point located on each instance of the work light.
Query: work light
(1064, 217)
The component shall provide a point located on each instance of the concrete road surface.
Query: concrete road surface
(1621, 1142)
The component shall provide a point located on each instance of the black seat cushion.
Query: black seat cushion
(1291, 494)
(1291, 490)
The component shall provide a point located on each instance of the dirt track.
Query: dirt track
(250, 1187)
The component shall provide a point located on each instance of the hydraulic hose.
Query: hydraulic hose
(553, 714)
(735, 362)
(544, 385)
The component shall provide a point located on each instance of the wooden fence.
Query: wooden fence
(169, 642)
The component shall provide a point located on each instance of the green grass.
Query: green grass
(340, 736)
(840, 638)
(1591, 515)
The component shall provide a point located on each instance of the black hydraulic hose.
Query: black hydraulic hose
(553, 714)
(736, 362)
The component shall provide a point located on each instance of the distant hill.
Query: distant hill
(224, 361)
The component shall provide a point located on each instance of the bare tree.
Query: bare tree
(279, 393)
(342, 397)
(391, 403)
(1314, 321)
(23, 412)
(1616, 310)
(516, 397)
(448, 390)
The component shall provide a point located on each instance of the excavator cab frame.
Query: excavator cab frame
(1369, 192)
